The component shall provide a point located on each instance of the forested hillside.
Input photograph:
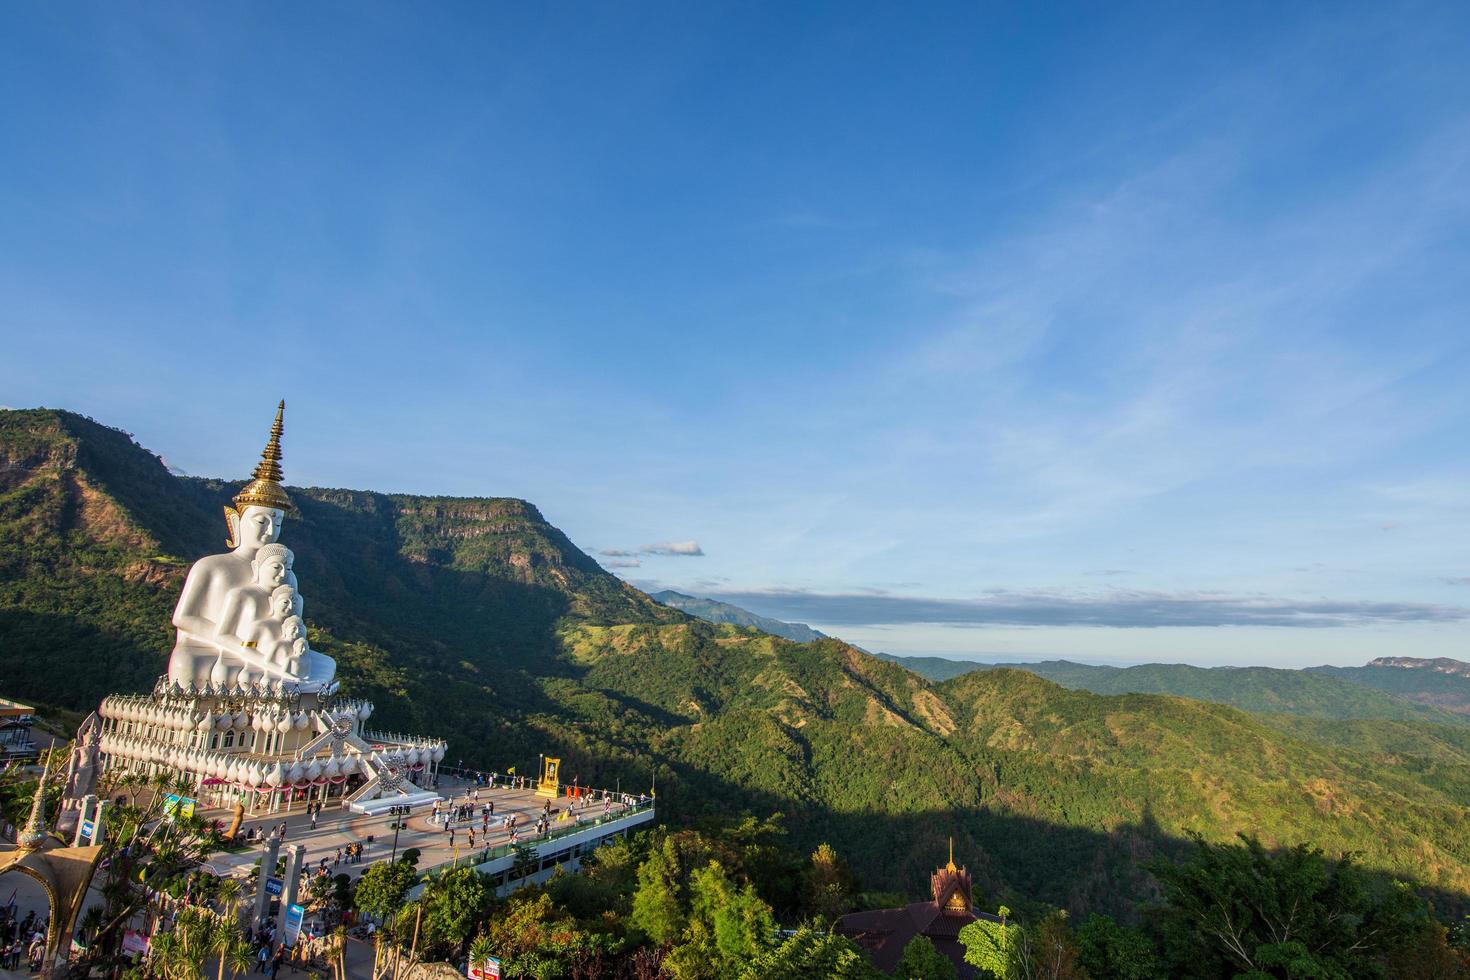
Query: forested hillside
(1444, 689)
(478, 621)
(1372, 692)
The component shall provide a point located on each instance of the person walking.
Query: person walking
(276, 961)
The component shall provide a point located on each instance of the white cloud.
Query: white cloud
(676, 549)
(680, 548)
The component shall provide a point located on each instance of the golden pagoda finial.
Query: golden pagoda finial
(264, 489)
(950, 866)
(33, 834)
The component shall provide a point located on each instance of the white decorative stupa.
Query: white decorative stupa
(248, 711)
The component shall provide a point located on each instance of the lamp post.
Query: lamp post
(399, 811)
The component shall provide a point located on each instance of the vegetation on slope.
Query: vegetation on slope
(1315, 693)
(1440, 689)
(476, 620)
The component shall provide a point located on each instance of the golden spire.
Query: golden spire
(950, 866)
(33, 834)
(265, 490)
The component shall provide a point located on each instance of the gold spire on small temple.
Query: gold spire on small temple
(33, 834)
(950, 866)
(264, 489)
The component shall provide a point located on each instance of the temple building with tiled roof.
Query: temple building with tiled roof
(884, 933)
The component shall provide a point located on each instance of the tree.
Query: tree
(921, 961)
(226, 942)
(179, 954)
(454, 903)
(1047, 951)
(727, 926)
(382, 887)
(742, 924)
(525, 863)
(534, 939)
(1238, 908)
(808, 953)
(1113, 952)
(990, 946)
(1429, 957)
(657, 909)
(145, 851)
(827, 885)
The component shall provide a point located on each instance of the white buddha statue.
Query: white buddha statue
(231, 602)
(251, 610)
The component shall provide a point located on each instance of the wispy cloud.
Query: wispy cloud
(622, 563)
(674, 549)
(1116, 608)
(685, 549)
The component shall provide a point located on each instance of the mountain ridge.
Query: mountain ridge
(714, 611)
(1326, 692)
(476, 620)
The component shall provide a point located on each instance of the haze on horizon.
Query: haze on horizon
(1117, 333)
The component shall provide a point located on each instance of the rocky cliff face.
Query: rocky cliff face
(1440, 665)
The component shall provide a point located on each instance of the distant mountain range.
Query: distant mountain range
(1408, 690)
(1389, 688)
(477, 620)
(722, 612)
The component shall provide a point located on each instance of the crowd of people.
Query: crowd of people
(23, 939)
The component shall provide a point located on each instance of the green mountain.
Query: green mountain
(712, 611)
(1385, 693)
(1441, 683)
(935, 668)
(476, 620)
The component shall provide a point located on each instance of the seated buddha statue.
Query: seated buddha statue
(228, 600)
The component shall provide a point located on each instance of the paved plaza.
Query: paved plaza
(338, 827)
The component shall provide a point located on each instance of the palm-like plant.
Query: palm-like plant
(481, 949)
(174, 958)
(226, 942)
(238, 958)
(228, 892)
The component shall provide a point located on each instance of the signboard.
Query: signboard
(134, 942)
(182, 805)
(294, 915)
(550, 771)
(486, 969)
(274, 887)
(89, 829)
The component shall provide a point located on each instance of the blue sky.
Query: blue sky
(1116, 332)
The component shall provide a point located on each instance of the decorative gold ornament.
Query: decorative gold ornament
(232, 521)
(33, 834)
(265, 490)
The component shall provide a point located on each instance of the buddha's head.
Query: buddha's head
(255, 527)
(293, 628)
(271, 563)
(283, 602)
(255, 520)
